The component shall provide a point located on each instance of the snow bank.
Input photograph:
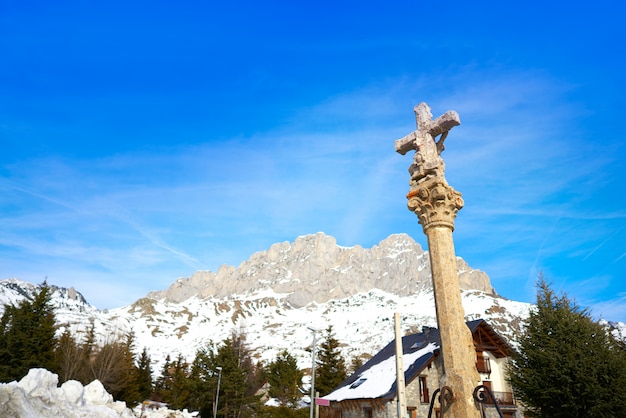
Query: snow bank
(37, 396)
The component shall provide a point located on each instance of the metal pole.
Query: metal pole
(217, 392)
(312, 406)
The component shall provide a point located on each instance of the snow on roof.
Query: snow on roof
(378, 380)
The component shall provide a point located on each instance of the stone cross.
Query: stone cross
(436, 204)
(427, 160)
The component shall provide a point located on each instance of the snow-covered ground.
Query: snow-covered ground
(38, 395)
(363, 322)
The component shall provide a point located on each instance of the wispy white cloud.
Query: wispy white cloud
(331, 168)
(609, 238)
(609, 308)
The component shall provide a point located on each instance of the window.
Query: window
(358, 383)
(482, 364)
(367, 412)
(424, 395)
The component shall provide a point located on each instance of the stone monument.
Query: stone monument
(436, 204)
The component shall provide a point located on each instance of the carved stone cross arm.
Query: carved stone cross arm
(406, 143)
(426, 127)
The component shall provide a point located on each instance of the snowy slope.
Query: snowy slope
(72, 311)
(363, 323)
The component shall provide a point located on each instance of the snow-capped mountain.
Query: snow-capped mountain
(275, 295)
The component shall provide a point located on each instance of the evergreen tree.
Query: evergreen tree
(567, 364)
(236, 395)
(284, 378)
(173, 387)
(330, 366)
(164, 383)
(179, 393)
(144, 376)
(129, 390)
(87, 349)
(203, 382)
(254, 374)
(27, 336)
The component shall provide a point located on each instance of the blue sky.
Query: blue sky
(142, 141)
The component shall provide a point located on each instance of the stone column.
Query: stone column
(436, 205)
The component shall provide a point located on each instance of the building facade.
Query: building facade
(371, 392)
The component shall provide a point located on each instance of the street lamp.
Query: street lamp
(217, 392)
(312, 373)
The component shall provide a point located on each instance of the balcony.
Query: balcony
(503, 398)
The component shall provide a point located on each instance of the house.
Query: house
(371, 391)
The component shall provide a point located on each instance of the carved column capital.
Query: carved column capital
(435, 203)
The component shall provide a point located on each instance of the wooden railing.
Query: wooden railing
(503, 398)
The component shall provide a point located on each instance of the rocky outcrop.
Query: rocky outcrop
(315, 269)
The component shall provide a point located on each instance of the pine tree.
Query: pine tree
(27, 336)
(144, 376)
(284, 378)
(330, 366)
(236, 396)
(567, 365)
(44, 329)
(179, 394)
(203, 381)
(254, 374)
(230, 363)
(87, 350)
(173, 386)
(129, 390)
(164, 383)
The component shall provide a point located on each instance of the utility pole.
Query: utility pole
(312, 406)
(399, 368)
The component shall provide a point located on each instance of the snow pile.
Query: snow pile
(37, 396)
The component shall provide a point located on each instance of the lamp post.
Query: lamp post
(312, 373)
(217, 392)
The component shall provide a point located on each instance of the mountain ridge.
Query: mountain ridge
(276, 294)
(315, 269)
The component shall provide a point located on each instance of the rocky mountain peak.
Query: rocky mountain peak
(314, 268)
(14, 290)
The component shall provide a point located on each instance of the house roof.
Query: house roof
(376, 379)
